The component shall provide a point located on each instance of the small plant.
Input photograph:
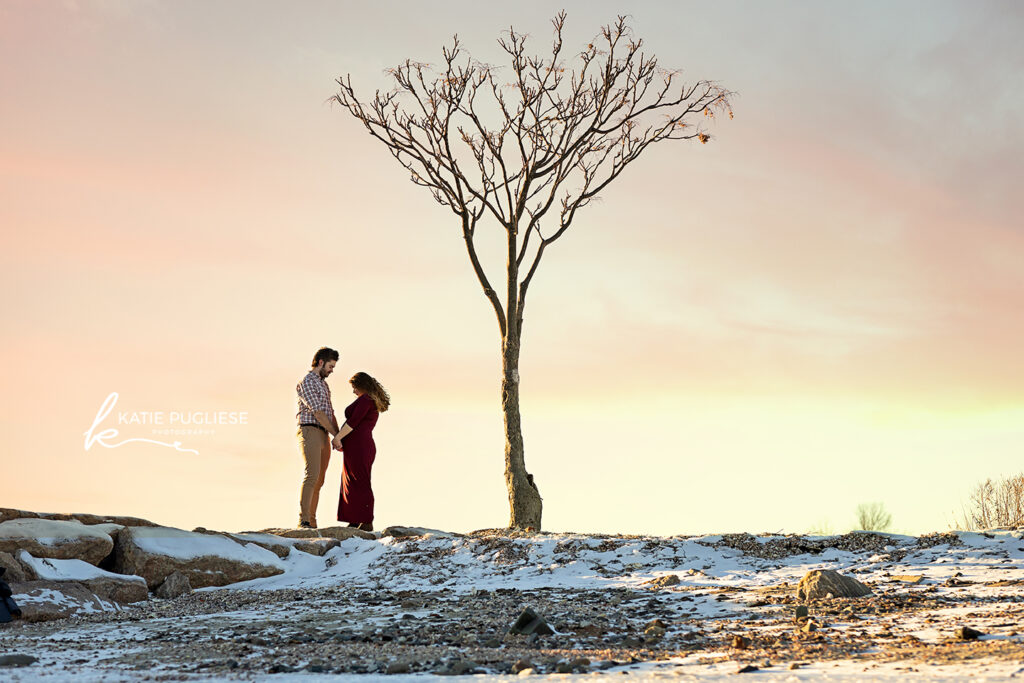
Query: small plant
(821, 528)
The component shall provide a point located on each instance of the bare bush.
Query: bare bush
(821, 528)
(873, 517)
(995, 504)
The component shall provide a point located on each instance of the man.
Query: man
(317, 425)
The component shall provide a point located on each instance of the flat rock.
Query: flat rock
(281, 546)
(663, 581)
(14, 513)
(17, 659)
(410, 531)
(57, 539)
(339, 532)
(107, 585)
(317, 546)
(909, 578)
(49, 600)
(820, 582)
(206, 559)
(91, 519)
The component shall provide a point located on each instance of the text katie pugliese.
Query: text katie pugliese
(198, 417)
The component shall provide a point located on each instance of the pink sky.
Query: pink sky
(833, 285)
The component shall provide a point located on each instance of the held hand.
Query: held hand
(336, 443)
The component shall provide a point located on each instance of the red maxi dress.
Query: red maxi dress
(356, 504)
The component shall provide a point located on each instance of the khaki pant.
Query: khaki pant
(316, 451)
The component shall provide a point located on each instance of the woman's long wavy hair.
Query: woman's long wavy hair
(373, 388)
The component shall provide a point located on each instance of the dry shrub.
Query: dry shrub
(995, 504)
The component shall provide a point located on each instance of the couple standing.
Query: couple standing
(317, 426)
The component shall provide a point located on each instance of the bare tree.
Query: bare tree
(995, 504)
(528, 147)
(873, 517)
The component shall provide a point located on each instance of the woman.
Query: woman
(356, 441)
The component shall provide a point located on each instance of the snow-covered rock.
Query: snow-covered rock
(48, 600)
(406, 531)
(90, 519)
(107, 585)
(281, 546)
(206, 559)
(14, 513)
(57, 539)
(83, 517)
(339, 532)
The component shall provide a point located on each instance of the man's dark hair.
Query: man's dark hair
(325, 354)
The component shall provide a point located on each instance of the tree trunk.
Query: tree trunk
(523, 497)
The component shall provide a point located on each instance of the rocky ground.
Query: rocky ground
(707, 606)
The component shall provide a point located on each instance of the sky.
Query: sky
(817, 309)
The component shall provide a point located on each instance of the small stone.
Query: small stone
(739, 642)
(654, 632)
(17, 660)
(317, 666)
(968, 633)
(809, 626)
(794, 665)
(459, 667)
(401, 667)
(522, 664)
(175, 585)
(529, 671)
(746, 669)
(580, 664)
(801, 612)
(663, 581)
(529, 622)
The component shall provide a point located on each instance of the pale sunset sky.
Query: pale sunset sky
(822, 307)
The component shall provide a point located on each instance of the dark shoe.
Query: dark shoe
(365, 526)
(306, 525)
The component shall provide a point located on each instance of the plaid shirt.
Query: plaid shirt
(313, 394)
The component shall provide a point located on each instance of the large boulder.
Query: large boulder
(339, 532)
(206, 559)
(107, 585)
(57, 539)
(48, 600)
(819, 583)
